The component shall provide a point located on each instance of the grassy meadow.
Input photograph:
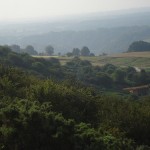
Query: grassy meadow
(136, 59)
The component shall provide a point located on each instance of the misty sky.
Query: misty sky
(37, 9)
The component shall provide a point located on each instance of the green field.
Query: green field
(136, 59)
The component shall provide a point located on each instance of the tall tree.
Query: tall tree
(76, 52)
(49, 50)
(85, 51)
(30, 50)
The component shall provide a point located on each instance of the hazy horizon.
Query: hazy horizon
(19, 10)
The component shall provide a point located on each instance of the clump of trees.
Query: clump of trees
(43, 67)
(83, 52)
(108, 77)
(15, 48)
(76, 52)
(29, 49)
(139, 46)
(49, 51)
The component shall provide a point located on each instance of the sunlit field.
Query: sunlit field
(137, 59)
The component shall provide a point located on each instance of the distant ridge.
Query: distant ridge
(109, 32)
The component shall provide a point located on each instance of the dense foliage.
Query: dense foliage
(139, 46)
(83, 52)
(41, 114)
(108, 77)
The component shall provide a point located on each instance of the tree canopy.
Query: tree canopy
(30, 50)
(76, 52)
(15, 48)
(43, 114)
(139, 46)
(49, 50)
(85, 51)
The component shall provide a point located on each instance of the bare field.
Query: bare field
(132, 54)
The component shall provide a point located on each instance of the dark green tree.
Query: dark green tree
(139, 46)
(69, 54)
(85, 51)
(49, 50)
(15, 59)
(92, 54)
(15, 48)
(119, 76)
(76, 52)
(30, 50)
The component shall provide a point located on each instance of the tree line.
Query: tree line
(29, 49)
(104, 78)
(83, 52)
(139, 46)
(49, 51)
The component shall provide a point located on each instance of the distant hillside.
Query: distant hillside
(109, 40)
(108, 32)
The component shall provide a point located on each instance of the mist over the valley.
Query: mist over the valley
(109, 32)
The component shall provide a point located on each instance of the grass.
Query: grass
(135, 59)
(132, 54)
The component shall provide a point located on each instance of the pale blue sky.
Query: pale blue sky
(34, 9)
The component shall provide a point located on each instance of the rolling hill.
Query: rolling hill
(110, 32)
